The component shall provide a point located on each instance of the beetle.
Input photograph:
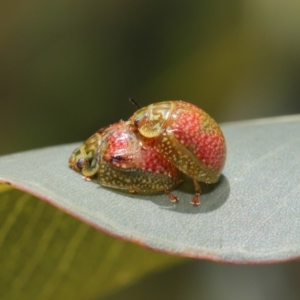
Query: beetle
(122, 158)
(187, 137)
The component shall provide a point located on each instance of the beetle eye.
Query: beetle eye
(116, 158)
(79, 163)
(136, 122)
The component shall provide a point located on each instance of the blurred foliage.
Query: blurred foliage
(68, 67)
(210, 281)
(48, 254)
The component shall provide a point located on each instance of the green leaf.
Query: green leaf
(47, 254)
(250, 216)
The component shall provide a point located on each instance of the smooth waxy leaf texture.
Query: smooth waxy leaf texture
(250, 216)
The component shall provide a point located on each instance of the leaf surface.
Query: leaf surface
(251, 216)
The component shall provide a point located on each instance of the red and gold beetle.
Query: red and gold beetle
(152, 150)
(187, 137)
(120, 158)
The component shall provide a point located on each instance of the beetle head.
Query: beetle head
(84, 159)
(149, 124)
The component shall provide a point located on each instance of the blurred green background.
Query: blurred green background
(67, 68)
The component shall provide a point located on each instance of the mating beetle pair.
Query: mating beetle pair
(153, 149)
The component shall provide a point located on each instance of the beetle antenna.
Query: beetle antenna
(134, 103)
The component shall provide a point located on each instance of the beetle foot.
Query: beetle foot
(86, 178)
(172, 197)
(132, 190)
(195, 201)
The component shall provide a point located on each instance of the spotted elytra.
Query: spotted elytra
(187, 137)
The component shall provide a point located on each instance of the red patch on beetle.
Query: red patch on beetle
(152, 161)
(207, 145)
(125, 151)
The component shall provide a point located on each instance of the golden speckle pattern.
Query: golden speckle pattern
(189, 138)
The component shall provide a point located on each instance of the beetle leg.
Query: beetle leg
(196, 201)
(172, 197)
